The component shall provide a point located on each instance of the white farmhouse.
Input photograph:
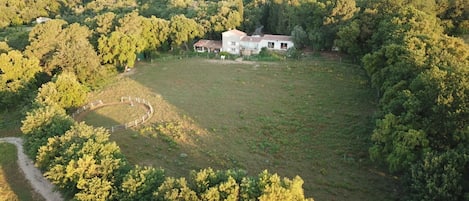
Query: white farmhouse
(231, 41)
(237, 42)
(254, 44)
(251, 45)
(276, 42)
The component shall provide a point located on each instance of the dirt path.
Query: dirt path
(32, 174)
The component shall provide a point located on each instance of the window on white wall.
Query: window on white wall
(233, 49)
(283, 45)
(270, 44)
(233, 43)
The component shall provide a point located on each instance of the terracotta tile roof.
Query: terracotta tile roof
(208, 43)
(235, 32)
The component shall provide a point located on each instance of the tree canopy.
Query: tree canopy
(17, 77)
(64, 91)
(183, 30)
(420, 74)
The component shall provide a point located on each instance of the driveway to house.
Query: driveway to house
(40, 184)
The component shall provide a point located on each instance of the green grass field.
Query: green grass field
(13, 185)
(310, 118)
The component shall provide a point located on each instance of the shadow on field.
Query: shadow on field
(311, 119)
(166, 140)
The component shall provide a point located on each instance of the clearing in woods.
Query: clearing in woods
(311, 118)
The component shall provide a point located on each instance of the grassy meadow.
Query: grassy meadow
(311, 118)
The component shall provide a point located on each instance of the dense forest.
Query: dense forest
(411, 50)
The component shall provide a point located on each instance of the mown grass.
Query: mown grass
(310, 118)
(13, 185)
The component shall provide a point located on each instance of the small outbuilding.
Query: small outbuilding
(41, 20)
(208, 46)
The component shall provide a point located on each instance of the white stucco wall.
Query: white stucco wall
(251, 46)
(277, 44)
(231, 42)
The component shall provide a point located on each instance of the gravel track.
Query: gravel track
(38, 182)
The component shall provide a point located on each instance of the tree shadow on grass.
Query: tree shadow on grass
(315, 127)
(146, 145)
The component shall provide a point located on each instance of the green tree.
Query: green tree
(340, 11)
(310, 16)
(42, 123)
(217, 185)
(9, 13)
(20, 12)
(83, 162)
(105, 23)
(179, 3)
(39, 8)
(253, 15)
(338, 14)
(17, 78)
(228, 16)
(134, 34)
(66, 48)
(155, 32)
(100, 25)
(99, 5)
(299, 37)
(131, 24)
(277, 17)
(454, 15)
(4, 47)
(43, 40)
(440, 176)
(274, 188)
(348, 38)
(175, 189)
(140, 182)
(422, 76)
(118, 49)
(403, 146)
(183, 30)
(75, 54)
(64, 91)
(148, 33)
